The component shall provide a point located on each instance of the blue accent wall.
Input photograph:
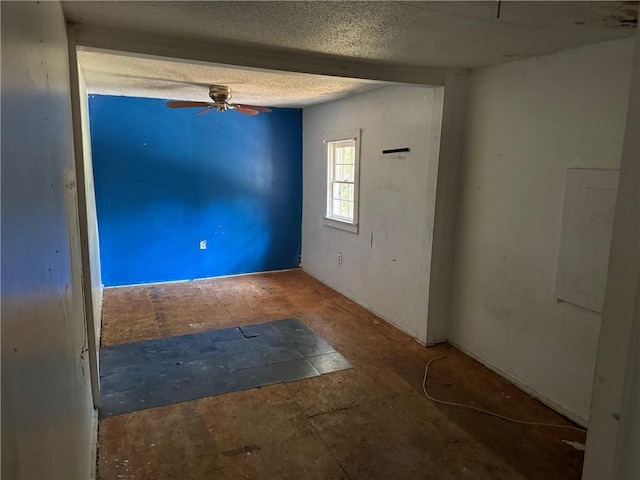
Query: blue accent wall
(165, 179)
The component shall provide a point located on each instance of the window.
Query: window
(343, 169)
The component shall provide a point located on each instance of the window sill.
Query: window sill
(340, 225)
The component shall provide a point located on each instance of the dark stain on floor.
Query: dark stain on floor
(152, 373)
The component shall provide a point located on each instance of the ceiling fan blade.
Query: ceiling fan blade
(187, 104)
(205, 110)
(255, 107)
(243, 109)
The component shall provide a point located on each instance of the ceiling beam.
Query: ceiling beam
(254, 56)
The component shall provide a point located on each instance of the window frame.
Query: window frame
(331, 220)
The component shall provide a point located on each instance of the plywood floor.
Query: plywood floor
(370, 422)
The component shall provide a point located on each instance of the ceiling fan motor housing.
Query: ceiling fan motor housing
(220, 94)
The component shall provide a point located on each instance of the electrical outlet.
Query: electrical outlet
(339, 258)
(203, 244)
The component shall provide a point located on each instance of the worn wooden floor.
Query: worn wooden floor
(370, 422)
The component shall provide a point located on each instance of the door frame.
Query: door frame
(93, 340)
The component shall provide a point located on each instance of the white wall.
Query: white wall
(528, 122)
(613, 441)
(383, 265)
(47, 413)
(444, 190)
(92, 217)
(87, 215)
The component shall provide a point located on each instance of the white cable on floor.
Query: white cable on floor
(453, 404)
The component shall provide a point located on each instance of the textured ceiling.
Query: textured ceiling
(396, 35)
(110, 74)
(443, 34)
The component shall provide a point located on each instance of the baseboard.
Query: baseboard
(93, 457)
(363, 305)
(200, 278)
(574, 417)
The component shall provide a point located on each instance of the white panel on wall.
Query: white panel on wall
(585, 239)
